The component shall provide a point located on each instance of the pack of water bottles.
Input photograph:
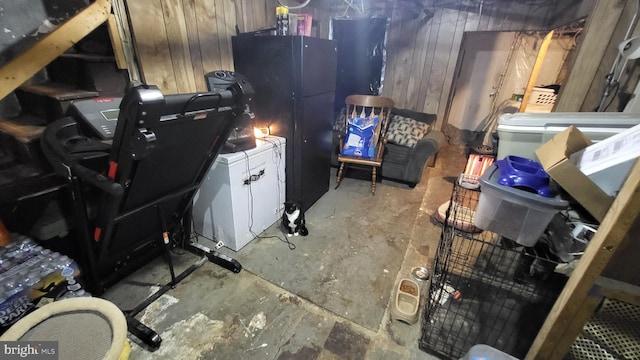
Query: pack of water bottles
(31, 276)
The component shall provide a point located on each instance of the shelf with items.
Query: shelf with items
(485, 289)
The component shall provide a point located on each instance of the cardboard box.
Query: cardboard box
(554, 157)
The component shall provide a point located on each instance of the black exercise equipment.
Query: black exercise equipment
(133, 197)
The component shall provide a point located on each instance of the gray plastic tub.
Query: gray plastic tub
(482, 351)
(516, 214)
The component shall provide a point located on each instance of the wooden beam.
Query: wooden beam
(126, 40)
(610, 236)
(116, 42)
(618, 290)
(574, 326)
(596, 36)
(533, 78)
(24, 66)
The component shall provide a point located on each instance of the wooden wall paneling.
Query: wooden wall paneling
(496, 18)
(543, 22)
(405, 48)
(252, 19)
(178, 40)
(394, 35)
(444, 46)
(486, 15)
(592, 98)
(592, 45)
(191, 20)
(206, 15)
(254, 13)
(547, 13)
(510, 16)
(322, 13)
(270, 20)
(151, 44)
(450, 71)
(246, 15)
(628, 84)
(116, 42)
(521, 18)
(525, 23)
(424, 105)
(264, 13)
(553, 12)
(453, 88)
(419, 58)
(566, 12)
(226, 29)
(128, 45)
(239, 11)
(473, 21)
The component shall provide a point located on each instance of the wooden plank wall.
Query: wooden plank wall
(192, 37)
(628, 79)
(178, 41)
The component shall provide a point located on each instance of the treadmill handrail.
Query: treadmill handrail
(98, 180)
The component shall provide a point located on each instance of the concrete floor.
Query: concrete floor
(304, 303)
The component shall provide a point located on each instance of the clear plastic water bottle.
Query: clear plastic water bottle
(72, 285)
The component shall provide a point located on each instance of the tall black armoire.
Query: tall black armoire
(294, 78)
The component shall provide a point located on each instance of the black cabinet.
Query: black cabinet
(294, 78)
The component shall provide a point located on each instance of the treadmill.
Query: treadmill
(132, 193)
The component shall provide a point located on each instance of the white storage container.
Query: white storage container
(541, 100)
(521, 134)
(516, 214)
(243, 194)
(481, 351)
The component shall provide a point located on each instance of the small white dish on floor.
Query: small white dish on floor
(420, 273)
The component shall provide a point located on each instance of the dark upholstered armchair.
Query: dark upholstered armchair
(412, 140)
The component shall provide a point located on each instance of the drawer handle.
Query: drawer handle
(253, 178)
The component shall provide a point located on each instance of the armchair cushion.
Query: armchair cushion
(406, 131)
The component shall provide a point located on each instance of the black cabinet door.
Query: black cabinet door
(313, 145)
(294, 80)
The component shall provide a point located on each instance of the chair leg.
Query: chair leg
(373, 181)
(339, 177)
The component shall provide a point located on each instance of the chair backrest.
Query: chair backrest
(370, 106)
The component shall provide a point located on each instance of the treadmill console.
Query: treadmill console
(98, 115)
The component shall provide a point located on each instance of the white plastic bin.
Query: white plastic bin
(522, 133)
(516, 214)
(487, 352)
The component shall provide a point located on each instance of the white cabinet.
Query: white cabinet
(243, 194)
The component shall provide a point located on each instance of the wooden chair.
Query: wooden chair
(366, 107)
